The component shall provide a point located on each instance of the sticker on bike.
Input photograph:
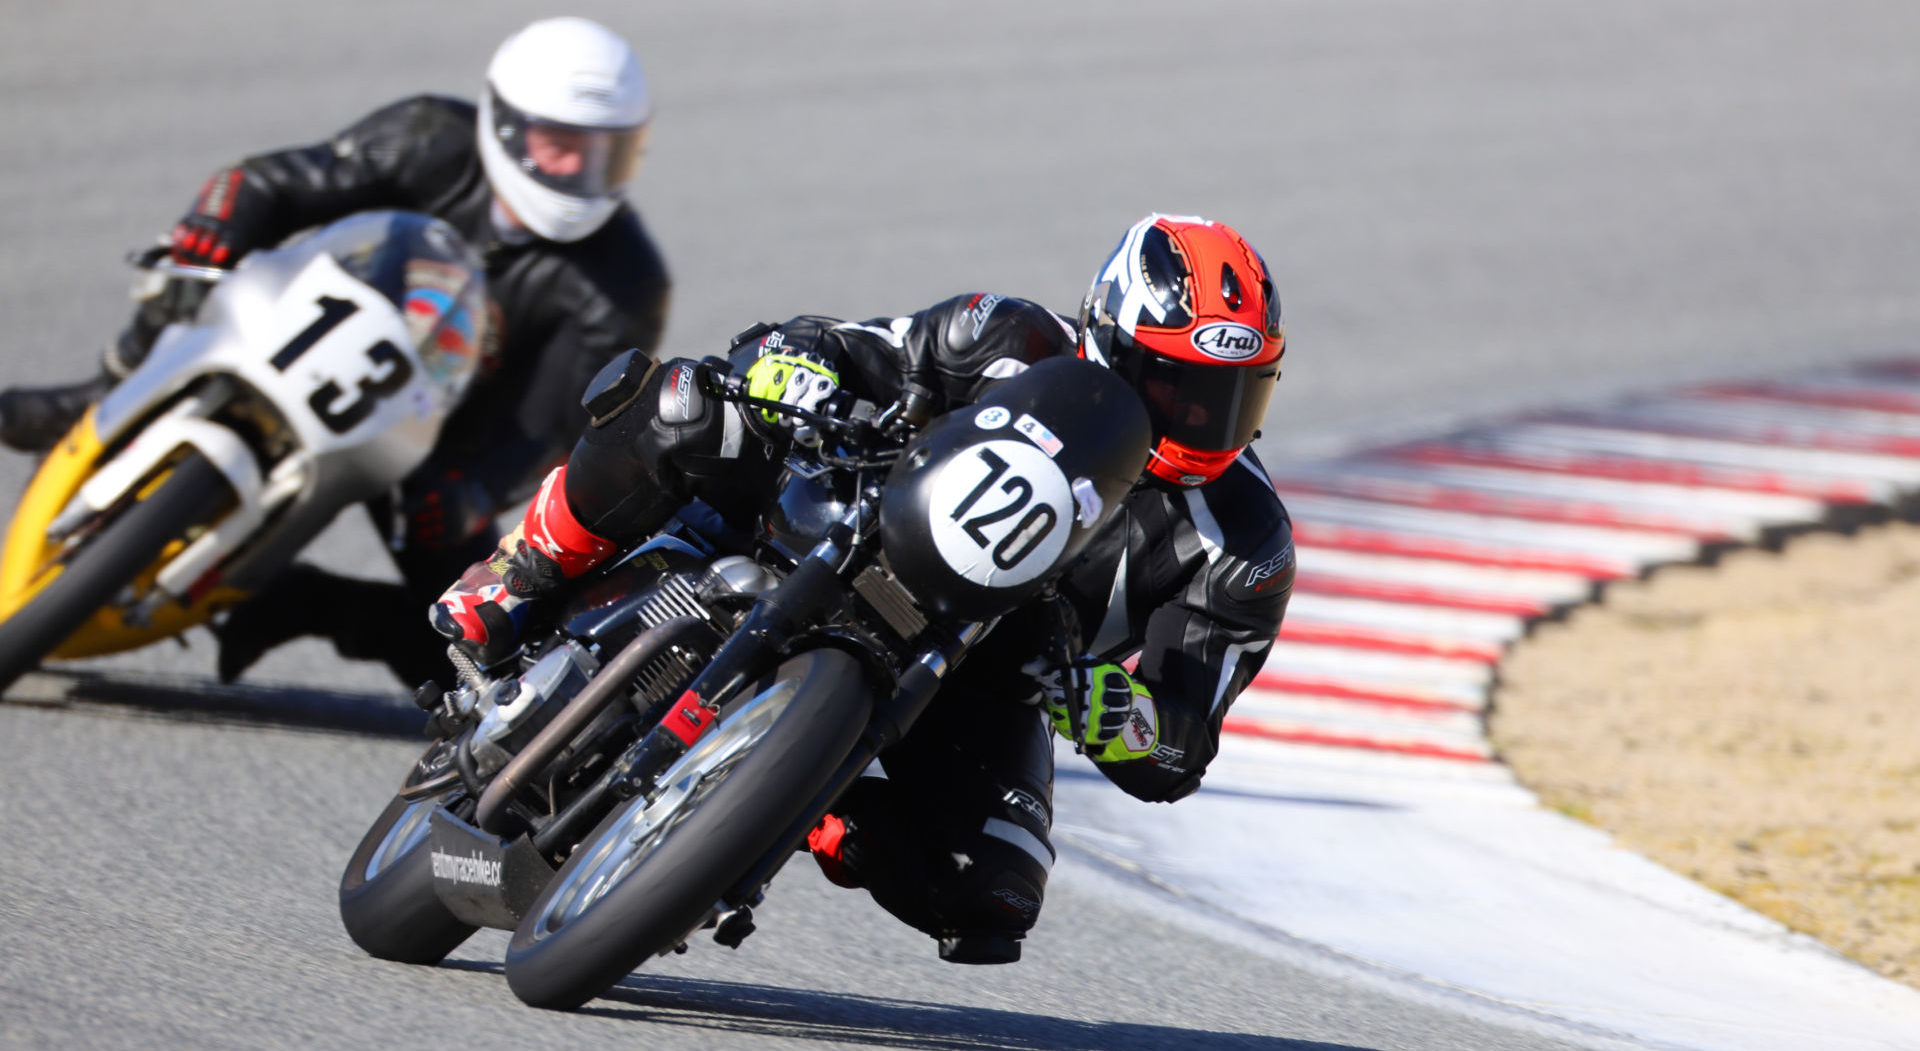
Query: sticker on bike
(343, 339)
(1001, 513)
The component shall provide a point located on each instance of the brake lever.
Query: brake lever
(725, 386)
(1066, 642)
(145, 258)
(158, 259)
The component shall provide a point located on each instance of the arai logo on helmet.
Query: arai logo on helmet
(1228, 341)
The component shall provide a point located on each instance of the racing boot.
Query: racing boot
(485, 610)
(364, 619)
(34, 419)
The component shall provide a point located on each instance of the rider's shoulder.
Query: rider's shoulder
(984, 336)
(1252, 571)
(1244, 506)
(421, 116)
(974, 318)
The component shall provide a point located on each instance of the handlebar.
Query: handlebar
(865, 434)
(158, 259)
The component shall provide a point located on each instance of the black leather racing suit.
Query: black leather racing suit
(561, 310)
(1194, 582)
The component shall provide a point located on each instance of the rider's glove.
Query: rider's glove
(802, 380)
(443, 508)
(1120, 722)
(227, 220)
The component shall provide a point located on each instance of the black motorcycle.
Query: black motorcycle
(641, 770)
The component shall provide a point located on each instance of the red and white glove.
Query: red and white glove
(227, 220)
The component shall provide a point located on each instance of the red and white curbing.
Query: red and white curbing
(1420, 563)
(1361, 824)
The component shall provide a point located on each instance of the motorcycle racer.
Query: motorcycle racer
(535, 175)
(1187, 584)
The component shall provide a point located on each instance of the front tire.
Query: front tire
(129, 544)
(387, 900)
(651, 872)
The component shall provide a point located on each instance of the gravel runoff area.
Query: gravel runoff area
(1754, 725)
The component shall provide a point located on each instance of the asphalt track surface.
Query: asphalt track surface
(1471, 208)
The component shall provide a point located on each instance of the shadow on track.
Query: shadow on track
(847, 1018)
(746, 1009)
(206, 700)
(1074, 774)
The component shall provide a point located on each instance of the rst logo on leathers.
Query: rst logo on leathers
(1228, 341)
(682, 381)
(980, 309)
(1263, 575)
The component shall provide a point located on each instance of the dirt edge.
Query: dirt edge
(1753, 725)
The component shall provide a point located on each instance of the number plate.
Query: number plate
(1001, 514)
(343, 339)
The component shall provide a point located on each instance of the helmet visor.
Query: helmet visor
(1211, 408)
(567, 158)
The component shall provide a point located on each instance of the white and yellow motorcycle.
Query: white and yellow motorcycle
(314, 376)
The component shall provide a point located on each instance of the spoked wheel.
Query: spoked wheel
(191, 495)
(652, 872)
(387, 901)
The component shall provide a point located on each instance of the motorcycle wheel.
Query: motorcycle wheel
(110, 561)
(651, 873)
(387, 902)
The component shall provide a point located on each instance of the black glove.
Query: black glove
(444, 509)
(227, 221)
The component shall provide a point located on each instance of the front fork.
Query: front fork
(813, 588)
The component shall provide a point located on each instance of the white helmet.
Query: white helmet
(562, 125)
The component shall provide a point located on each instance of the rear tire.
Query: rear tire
(110, 561)
(387, 901)
(649, 874)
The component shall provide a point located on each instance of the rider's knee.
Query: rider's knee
(647, 450)
(976, 888)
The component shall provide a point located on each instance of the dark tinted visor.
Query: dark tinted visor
(1211, 408)
(577, 161)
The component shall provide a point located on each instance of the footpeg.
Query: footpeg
(734, 926)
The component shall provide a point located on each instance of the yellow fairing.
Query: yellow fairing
(27, 566)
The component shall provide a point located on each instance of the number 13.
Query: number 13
(371, 388)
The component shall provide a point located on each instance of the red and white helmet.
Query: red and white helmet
(1185, 311)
